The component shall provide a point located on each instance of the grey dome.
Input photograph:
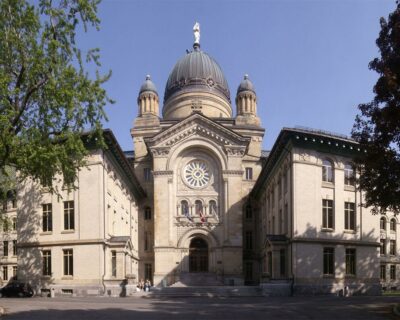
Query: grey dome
(246, 85)
(197, 72)
(148, 85)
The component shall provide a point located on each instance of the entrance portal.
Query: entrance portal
(198, 255)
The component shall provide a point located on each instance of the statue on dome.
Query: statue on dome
(196, 31)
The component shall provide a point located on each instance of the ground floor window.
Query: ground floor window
(383, 272)
(270, 263)
(351, 261)
(329, 261)
(68, 262)
(393, 272)
(282, 260)
(5, 273)
(113, 263)
(46, 262)
(148, 272)
(14, 271)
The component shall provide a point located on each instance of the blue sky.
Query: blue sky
(308, 59)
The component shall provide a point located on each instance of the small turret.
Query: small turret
(148, 99)
(246, 103)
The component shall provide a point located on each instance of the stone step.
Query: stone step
(203, 291)
(206, 279)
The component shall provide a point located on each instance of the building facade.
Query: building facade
(198, 196)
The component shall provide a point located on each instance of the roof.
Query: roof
(265, 153)
(309, 138)
(121, 160)
(148, 85)
(196, 71)
(246, 85)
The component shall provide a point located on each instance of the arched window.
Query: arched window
(383, 223)
(348, 174)
(198, 208)
(184, 208)
(327, 171)
(212, 208)
(393, 224)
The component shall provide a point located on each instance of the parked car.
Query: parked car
(16, 289)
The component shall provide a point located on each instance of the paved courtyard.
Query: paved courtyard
(200, 308)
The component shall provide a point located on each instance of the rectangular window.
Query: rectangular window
(393, 272)
(68, 262)
(113, 263)
(327, 214)
(147, 213)
(147, 174)
(47, 218)
(392, 249)
(383, 247)
(15, 251)
(5, 225)
(148, 272)
(383, 272)
(349, 216)
(279, 188)
(46, 262)
(146, 241)
(286, 219)
(5, 248)
(14, 202)
(69, 218)
(249, 240)
(249, 173)
(14, 224)
(282, 264)
(329, 261)
(280, 221)
(350, 262)
(5, 273)
(14, 271)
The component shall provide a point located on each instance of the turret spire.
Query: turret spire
(196, 32)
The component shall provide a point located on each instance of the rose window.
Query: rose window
(196, 174)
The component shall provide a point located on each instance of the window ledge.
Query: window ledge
(328, 276)
(68, 231)
(67, 277)
(327, 230)
(349, 188)
(327, 184)
(45, 233)
(349, 231)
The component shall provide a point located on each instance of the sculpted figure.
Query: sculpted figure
(196, 31)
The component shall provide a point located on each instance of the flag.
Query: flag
(186, 213)
(202, 217)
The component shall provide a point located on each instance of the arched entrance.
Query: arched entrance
(198, 255)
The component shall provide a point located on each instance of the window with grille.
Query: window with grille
(329, 261)
(46, 262)
(68, 262)
(351, 261)
(349, 216)
(69, 215)
(47, 217)
(327, 214)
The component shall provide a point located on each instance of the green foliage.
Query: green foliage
(377, 127)
(47, 98)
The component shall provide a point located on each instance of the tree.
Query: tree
(47, 97)
(377, 127)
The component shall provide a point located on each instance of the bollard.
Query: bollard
(52, 293)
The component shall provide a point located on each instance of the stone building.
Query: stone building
(82, 241)
(198, 196)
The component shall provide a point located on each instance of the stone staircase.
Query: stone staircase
(203, 285)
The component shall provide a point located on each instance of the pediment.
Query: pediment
(197, 124)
